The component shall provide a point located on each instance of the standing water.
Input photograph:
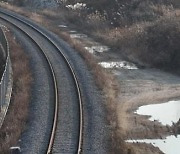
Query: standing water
(166, 113)
(170, 145)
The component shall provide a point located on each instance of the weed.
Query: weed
(16, 117)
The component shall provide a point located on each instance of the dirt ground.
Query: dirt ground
(141, 87)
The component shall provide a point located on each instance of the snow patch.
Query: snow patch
(121, 64)
(77, 6)
(99, 49)
(62, 26)
(78, 36)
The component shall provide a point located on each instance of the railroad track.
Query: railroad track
(10, 18)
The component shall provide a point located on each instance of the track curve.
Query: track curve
(76, 83)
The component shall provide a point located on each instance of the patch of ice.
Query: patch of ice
(77, 6)
(62, 26)
(169, 145)
(99, 48)
(78, 36)
(121, 64)
(166, 113)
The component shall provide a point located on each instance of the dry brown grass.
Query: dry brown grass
(107, 83)
(11, 7)
(16, 117)
(149, 33)
(2, 64)
(149, 43)
(142, 91)
(129, 39)
(132, 42)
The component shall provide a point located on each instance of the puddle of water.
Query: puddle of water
(99, 48)
(78, 36)
(62, 26)
(169, 145)
(122, 64)
(166, 113)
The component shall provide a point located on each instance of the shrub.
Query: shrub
(162, 44)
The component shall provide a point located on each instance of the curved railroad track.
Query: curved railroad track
(19, 23)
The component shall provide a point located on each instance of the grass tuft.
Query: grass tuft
(17, 114)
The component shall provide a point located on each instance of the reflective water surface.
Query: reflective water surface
(166, 113)
(170, 145)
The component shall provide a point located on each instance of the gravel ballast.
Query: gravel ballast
(96, 130)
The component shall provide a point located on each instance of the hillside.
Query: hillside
(144, 31)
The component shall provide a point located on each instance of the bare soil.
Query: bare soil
(142, 87)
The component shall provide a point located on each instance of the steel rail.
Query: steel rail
(49, 150)
(52, 73)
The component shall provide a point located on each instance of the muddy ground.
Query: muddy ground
(141, 87)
